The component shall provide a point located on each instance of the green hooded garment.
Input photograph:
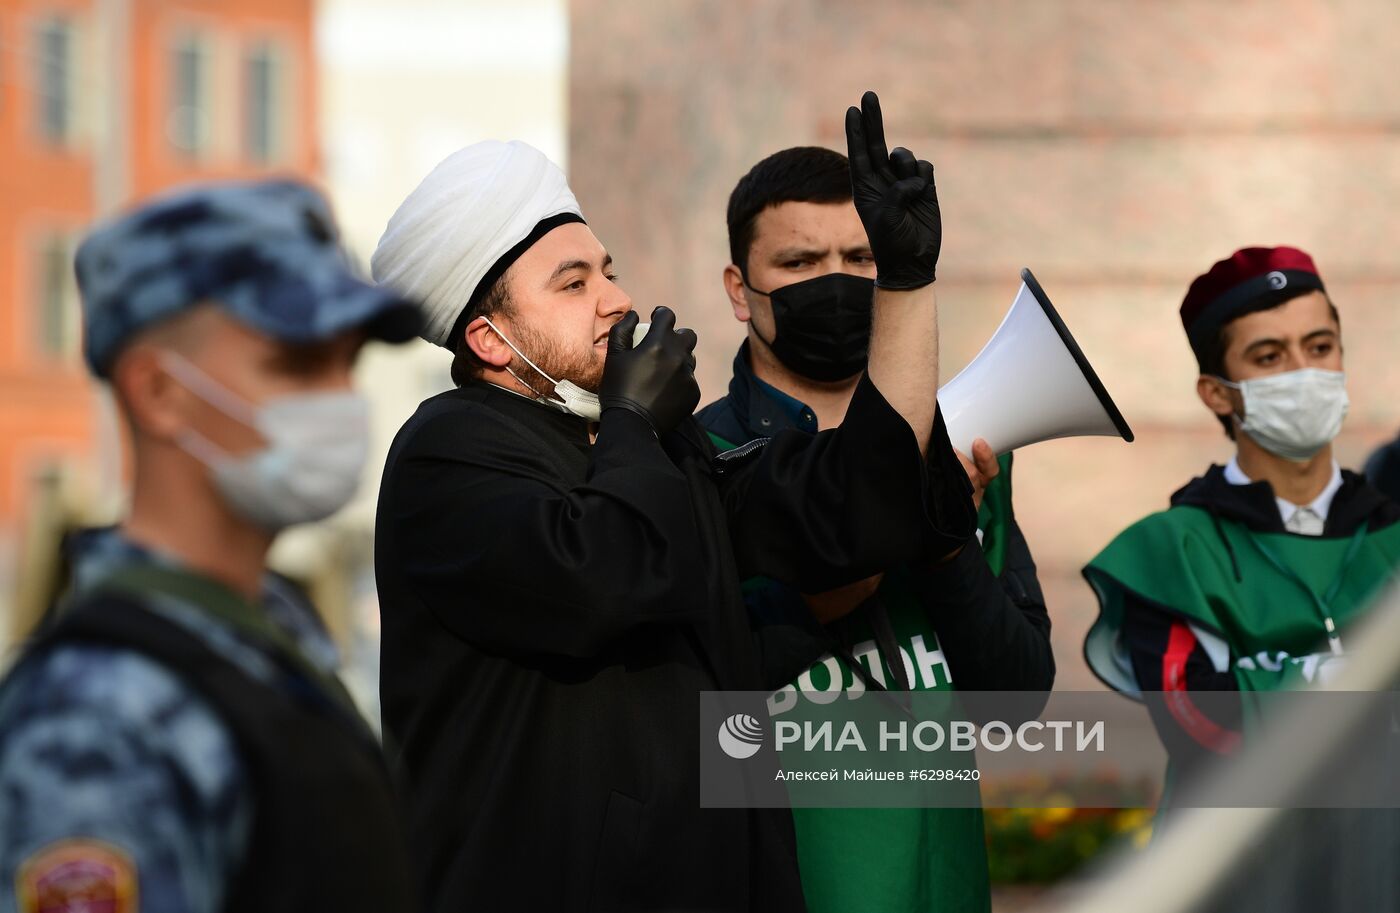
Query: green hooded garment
(1220, 559)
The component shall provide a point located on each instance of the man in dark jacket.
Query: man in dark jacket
(800, 278)
(559, 550)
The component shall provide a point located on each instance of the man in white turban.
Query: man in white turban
(559, 550)
(464, 225)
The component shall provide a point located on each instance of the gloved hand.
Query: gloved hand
(656, 378)
(896, 199)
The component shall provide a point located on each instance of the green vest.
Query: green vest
(889, 860)
(1267, 595)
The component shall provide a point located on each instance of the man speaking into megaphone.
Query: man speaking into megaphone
(803, 244)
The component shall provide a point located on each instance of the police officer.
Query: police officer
(166, 743)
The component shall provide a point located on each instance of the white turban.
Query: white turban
(470, 210)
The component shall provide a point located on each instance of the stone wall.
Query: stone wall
(1115, 148)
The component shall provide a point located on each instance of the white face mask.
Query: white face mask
(1295, 414)
(316, 448)
(574, 399)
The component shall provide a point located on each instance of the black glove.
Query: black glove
(896, 199)
(656, 379)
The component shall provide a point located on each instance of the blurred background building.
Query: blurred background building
(404, 85)
(103, 102)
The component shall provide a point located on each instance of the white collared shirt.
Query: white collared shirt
(1286, 509)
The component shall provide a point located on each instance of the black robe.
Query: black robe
(551, 610)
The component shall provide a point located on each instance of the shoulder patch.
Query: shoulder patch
(77, 874)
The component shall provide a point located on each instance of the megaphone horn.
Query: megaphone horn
(1030, 383)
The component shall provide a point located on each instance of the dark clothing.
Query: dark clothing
(1254, 505)
(1383, 469)
(326, 831)
(994, 631)
(753, 409)
(552, 608)
(1168, 658)
(94, 719)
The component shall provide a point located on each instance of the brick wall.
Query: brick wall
(1117, 149)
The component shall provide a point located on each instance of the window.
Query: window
(189, 123)
(263, 87)
(59, 316)
(54, 62)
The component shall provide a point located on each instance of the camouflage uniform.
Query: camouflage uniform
(100, 746)
(104, 743)
(266, 252)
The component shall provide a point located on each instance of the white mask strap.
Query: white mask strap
(526, 358)
(209, 389)
(200, 447)
(1239, 419)
(522, 383)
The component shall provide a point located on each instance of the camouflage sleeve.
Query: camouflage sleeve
(117, 783)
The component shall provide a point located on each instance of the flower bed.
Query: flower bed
(1037, 845)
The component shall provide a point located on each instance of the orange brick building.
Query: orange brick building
(103, 102)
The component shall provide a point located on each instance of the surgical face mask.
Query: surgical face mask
(316, 448)
(1295, 414)
(572, 398)
(822, 325)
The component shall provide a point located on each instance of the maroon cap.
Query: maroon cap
(1240, 283)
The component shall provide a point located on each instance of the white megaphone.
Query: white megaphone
(1029, 383)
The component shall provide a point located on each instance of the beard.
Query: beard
(584, 369)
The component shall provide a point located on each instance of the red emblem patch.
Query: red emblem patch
(77, 876)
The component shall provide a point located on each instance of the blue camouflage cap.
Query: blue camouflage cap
(267, 252)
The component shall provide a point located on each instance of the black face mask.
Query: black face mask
(822, 325)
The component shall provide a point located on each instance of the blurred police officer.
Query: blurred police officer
(166, 743)
(1383, 469)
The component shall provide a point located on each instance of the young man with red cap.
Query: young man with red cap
(1253, 577)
